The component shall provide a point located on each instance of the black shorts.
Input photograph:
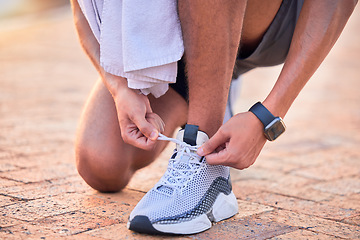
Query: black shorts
(271, 51)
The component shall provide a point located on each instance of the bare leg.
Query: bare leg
(211, 31)
(104, 161)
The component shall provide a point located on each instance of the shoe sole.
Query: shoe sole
(225, 206)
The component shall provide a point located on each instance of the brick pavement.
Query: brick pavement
(304, 186)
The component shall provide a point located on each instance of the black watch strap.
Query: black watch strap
(261, 112)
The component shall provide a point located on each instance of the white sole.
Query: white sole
(225, 206)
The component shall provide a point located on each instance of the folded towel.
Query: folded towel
(139, 40)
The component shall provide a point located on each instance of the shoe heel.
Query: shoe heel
(225, 207)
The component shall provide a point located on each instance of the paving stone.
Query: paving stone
(6, 166)
(74, 222)
(259, 179)
(33, 150)
(306, 145)
(286, 184)
(307, 159)
(242, 189)
(9, 236)
(302, 234)
(45, 207)
(19, 211)
(116, 211)
(341, 186)
(84, 236)
(255, 173)
(312, 223)
(127, 195)
(348, 201)
(246, 228)
(42, 173)
(6, 153)
(306, 192)
(7, 222)
(119, 231)
(120, 206)
(303, 206)
(48, 188)
(5, 200)
(28, 231)
(353, 220)
(329, 171)
(26, 161)
(276, 164)
(250, 208)
(5, 183)
(76, 201)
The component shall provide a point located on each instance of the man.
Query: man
(119, 127)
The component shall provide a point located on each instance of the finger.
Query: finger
(216, 158)
(132, 135)
(143, 143)
(220, 138)
(146, 128)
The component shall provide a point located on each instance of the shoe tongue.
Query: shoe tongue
(191, 135)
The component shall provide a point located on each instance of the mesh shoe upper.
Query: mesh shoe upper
(188, 188)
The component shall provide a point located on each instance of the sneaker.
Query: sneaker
(191, 194)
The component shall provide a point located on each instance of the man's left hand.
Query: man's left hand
(237, 143)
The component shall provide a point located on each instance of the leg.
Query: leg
(211, 45)
(210, 56)
(104, 161)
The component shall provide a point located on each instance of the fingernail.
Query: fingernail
(200, 151)
(153, 135)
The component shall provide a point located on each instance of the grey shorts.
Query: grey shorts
(271, 51)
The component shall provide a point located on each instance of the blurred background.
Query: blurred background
(44, 81)
(15, 8)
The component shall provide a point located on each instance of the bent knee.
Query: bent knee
(102, 171)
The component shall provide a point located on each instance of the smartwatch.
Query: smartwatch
(273, 126)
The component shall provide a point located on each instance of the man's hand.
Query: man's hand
(237, 143)
(139, 126)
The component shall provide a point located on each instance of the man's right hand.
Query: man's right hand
(139, 126)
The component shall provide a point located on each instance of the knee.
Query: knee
(101, 170)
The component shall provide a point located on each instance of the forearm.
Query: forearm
(319, 26)
(92, 48)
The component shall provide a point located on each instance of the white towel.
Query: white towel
(140, 40)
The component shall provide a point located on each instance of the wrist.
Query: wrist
(273, 125)
(115, 84)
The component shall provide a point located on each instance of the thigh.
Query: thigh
(258, 16)
(268, 44)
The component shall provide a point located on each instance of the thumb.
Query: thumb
(214, 142)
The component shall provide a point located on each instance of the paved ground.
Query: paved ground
(304, 186)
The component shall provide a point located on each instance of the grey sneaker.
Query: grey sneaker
(191, 194)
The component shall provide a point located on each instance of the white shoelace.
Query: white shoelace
(181, 169)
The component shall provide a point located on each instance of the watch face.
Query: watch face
(274, 129)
